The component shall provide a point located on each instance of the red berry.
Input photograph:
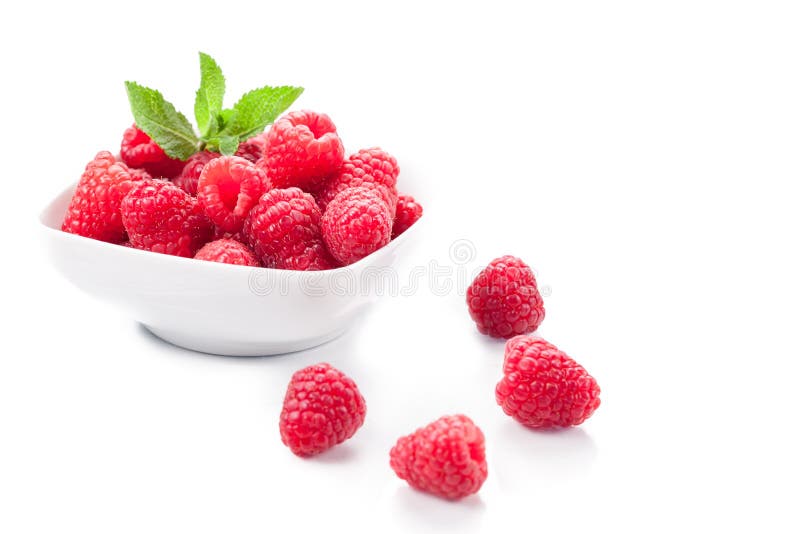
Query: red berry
(302, 150)
(227, 251)
(228, 189)
(322, 408)
(139, 174)
(219, 233)
(446, 458)
(94, 210)
(139, 151)
(503, 299)
(284, 231)
(542, 387)
(161, 217)
(408, 212)
(190, 174)
(356, 223)
(253, 148)
(371, 168)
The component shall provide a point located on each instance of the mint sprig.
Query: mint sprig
(227, 144)
(258, 108)
(208, 100)
(160, 120)
(221, 129)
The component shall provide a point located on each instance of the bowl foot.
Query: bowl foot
(225, 347)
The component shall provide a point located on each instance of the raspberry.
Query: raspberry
(542, 387)
(408, 212)
(302, 150)
(284, 231)
(356, 224)
(253, 148)
(94, 210)
(371, 168)
(503, 299)
(190, 174)
(139, 151)
(160, 217)
(228, 189)
(446, 458)
(227, 251)
(219, 233)
(139, 174)
(322, 408)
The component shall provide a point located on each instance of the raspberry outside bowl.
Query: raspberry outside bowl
(218, 308)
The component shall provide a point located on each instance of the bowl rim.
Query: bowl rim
(363, 262)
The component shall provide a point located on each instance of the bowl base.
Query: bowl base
(227, 347)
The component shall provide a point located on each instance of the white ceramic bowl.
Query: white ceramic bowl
(218, 308)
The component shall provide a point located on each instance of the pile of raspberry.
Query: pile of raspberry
(541, 387)
(288, 199)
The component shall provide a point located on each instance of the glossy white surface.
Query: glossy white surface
(217, 308)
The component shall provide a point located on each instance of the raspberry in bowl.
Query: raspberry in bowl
(218, 308)
(251, 234)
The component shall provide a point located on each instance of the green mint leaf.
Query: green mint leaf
(208, 100)
(213, 128)
(258, 108)
(228, 145)
(224, 118)
(211, 144)
(160, 120)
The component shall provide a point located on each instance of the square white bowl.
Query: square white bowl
(218, 308)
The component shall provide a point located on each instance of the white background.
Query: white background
(641, 156)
